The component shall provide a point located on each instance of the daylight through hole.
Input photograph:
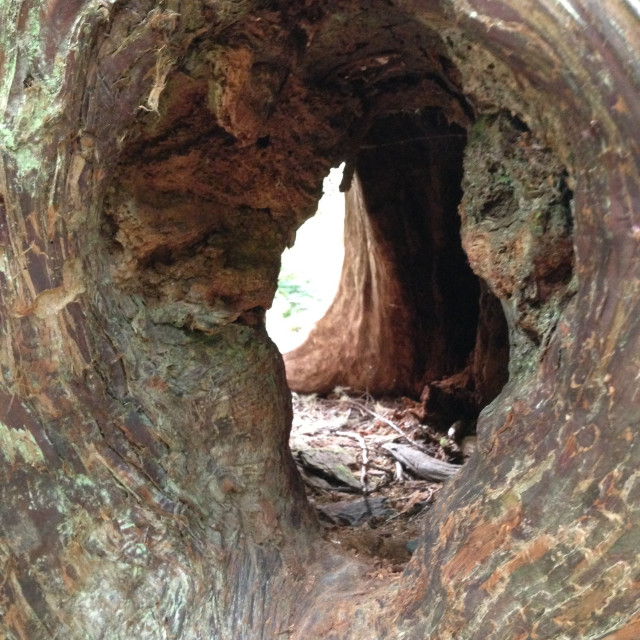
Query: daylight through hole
(310, 270)
(389, 382)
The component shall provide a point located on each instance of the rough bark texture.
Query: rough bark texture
(156, 159)
(407, 305)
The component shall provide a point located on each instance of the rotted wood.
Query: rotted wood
(386, 331)
(154, 162)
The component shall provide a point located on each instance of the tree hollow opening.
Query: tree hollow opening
(310, 269)
(409, 311)
(412, 348)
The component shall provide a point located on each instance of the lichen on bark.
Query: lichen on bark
(517, 231)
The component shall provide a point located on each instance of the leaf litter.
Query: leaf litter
(367, 500)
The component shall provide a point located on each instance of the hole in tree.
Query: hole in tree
(411, 349)
(310, 271)
(409, 321)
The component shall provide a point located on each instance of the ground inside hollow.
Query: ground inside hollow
(368, 503)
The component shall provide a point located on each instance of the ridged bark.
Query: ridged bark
(155, 160)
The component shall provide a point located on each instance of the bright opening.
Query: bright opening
(310, 270)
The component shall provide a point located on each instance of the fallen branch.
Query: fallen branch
(423, 465)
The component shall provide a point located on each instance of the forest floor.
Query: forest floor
(367, 502)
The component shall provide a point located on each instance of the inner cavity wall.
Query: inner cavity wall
(210, 133)
(215, 176)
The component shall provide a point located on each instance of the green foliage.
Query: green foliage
(504, 178)
(295, 294)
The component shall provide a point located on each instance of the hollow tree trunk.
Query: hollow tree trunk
(406, 309)
(155, 161)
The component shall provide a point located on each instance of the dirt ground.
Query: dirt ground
(367, 501)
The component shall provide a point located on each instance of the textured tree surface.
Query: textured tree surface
(156, 158)
(407, 306)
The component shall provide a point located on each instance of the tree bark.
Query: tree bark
(155, 160)
(406, 309)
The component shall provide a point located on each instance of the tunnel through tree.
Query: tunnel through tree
(155, 160)
(409, 310)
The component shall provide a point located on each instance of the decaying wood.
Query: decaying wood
(332, 464)
(420, 463)
(364, 458)
(146, 486)
(387, 330)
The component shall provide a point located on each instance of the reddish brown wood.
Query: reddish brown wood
(146, 486)
(407, 305)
